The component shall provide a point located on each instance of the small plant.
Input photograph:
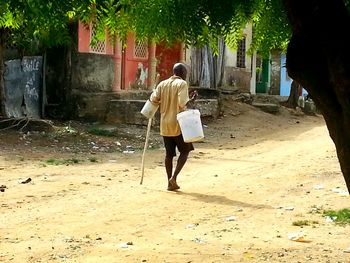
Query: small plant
(100, 132)
(63, 162)
(304, 223)
(93, 159)
(341, 217)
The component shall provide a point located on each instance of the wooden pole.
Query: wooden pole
(44, 97)
(144, 149)
(147, 136)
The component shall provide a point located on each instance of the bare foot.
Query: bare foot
(173, 188)
(172, 185)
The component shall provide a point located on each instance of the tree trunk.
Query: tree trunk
(2, 83)
(292, 101)
(318, 58)
(68, 102)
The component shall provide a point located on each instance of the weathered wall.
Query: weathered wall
(92, 72)
(94, 106)
(238, 77)
(128, 111)
(125, 111)
(167, 57)
(275, 73)
(208, 107)
(10, 54)
(125, 107)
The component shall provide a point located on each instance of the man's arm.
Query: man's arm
(155, 96)
(193, 97)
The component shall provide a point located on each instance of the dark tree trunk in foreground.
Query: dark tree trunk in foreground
(295, 90)
(318, 57)
(2, 84)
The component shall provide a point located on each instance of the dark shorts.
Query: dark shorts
(171, 143)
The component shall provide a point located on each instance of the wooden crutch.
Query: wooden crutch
(144, 149)
(147, 138)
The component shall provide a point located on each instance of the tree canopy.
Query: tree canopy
(36, 23)
(195, 22)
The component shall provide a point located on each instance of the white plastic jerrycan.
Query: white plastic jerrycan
(149, 109)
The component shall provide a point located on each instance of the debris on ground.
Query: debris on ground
(28, 180)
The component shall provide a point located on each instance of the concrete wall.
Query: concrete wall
(238, 77)
(125, 107)
(92, 72)
(231, 54)
(125, 111)
(95, 106)
(275, 73)
(128, 111)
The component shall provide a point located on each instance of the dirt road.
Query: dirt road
(241, 190)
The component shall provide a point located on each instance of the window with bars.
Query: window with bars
(141, 49)
(241, 54)
(100, 46)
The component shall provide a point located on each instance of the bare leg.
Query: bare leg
(169, 166)
(179, 165)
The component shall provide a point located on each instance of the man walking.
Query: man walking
(172, 97)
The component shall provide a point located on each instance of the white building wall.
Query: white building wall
(242, 78)
(231, 54)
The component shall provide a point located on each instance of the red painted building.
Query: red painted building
(137, 63)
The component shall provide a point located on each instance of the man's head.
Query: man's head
(180, 70)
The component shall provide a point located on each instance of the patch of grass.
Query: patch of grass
(341, 217)
(93, 159)
(101, 132)
(63, 162)
(304, 223)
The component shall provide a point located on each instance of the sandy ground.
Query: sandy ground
(241, 190)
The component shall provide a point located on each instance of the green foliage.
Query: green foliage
(101, 132)
(9, 19)
(341, 217)
(63, 162)
(270, 27)
(108, 16)
(38, 23)
(93, 159)
(195, 22)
